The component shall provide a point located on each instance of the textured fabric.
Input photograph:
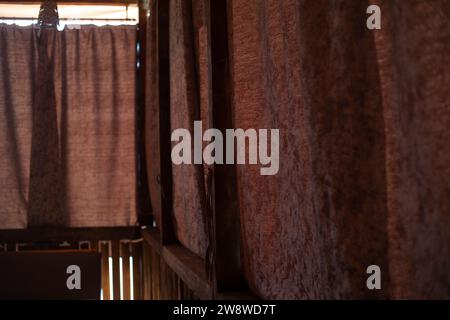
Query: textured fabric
(188, 190)
(364, 147)
(364, 154)
(308, 69)
(190, 96)
(68, 127)
(413, 51)
(45, 203)
(18, 64)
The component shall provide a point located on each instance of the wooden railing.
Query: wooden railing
(120, 248)
(135, 263)
(169, 276)
(132, 267)
(121, 269)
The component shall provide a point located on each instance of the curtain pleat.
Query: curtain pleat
(18, 64)
(46, 203)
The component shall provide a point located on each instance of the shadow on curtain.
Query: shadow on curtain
(67, 127)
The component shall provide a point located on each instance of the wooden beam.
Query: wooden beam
(187, 265)
(143, 203)
(168, 283)
(44, 234)
(228, 272)
(152, 237)
(190, 268)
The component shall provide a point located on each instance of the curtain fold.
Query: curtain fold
(190, 100)
(413, 54)
(364, 147)
(18, 64)
(78, 126)
(46, 203)
(308, 69)
(185, 108)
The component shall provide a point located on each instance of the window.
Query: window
(114, 14)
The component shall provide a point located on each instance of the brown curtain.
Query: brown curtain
(188, 189)
(364, 170)
(413, 54)
(18, 63)
(189, 101)
(309, 69)
(67, 127)
(364, 157)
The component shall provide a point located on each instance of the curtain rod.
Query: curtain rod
(69, 19)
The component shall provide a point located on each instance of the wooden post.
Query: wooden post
(228, 273)
(143, 203)
(167, 228)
